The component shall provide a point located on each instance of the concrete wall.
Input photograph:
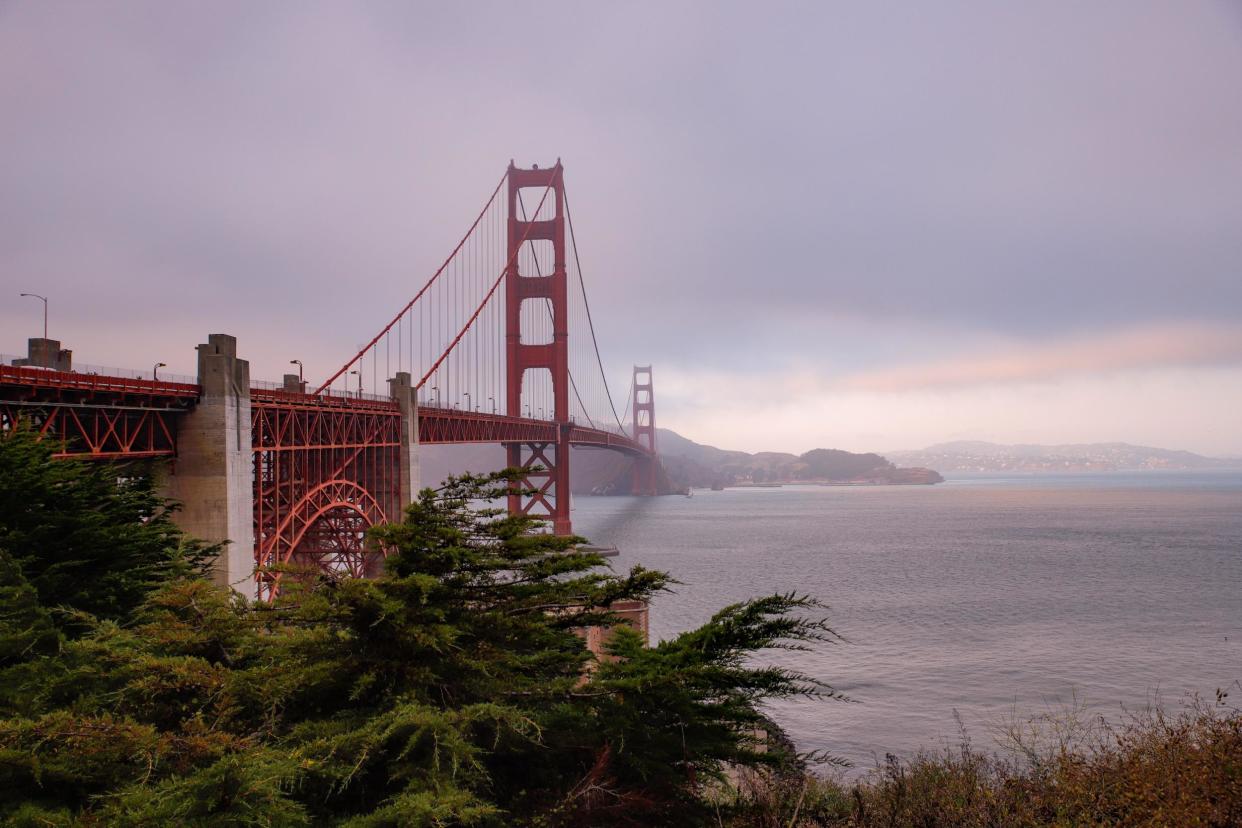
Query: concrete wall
(403, 392)
(213, 472)
(46, 353)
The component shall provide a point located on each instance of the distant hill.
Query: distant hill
(974, 455)
(687, 464)
(693, 464)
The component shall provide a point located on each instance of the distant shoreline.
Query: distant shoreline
(783, 483)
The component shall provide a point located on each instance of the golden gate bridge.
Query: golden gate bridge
(293, 475)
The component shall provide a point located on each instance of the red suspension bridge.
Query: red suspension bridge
(294, 475)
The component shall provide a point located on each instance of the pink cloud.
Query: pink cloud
(1135, 349)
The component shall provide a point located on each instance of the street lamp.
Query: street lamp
(436, 395)
(466, 394)
(155, 370)
(493, 402)
(44, 298)
(298, 363)
(359, 373)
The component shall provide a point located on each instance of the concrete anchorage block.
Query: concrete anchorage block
(405, 395)
(213, 476)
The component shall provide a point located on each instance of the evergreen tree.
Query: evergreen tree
(83, 535)
(453, 690)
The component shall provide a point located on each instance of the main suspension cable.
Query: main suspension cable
(590, 322)
(424, 289)
(504, 271)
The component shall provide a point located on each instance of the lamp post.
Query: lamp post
(298, 362)
(493, 402)
(359, 374)
(155, 370)
(466, 394)
(44, 298)
(436, 395)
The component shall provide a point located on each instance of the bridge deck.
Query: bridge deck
(111, 417)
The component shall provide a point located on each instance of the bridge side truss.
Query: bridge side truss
(323, 475)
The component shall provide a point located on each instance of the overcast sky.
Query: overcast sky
(863, 225)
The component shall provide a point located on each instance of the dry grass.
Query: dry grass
(1068, 769)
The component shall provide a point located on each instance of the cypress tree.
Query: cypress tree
(86, 535)
(455, 689)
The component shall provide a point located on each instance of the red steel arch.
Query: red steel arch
(323, 508)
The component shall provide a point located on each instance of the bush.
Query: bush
(1151, 770)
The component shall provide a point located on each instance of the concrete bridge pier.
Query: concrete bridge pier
(213, 476)
(406, 396)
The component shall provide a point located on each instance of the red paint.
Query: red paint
(546, 493)
(646, 465)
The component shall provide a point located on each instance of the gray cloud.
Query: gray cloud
(291, 171)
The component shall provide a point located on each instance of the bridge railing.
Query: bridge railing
(334, 393)
(263, 391)
(129, 373)
(109, 371)
(97, 382)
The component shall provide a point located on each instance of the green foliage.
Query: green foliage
(82, 537)
(26, 628)
(454, 690)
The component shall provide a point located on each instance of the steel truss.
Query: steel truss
(323, 474)
(537, 496)
(94, 417)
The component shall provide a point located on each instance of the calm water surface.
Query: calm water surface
(979, 595)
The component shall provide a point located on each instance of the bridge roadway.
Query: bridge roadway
(121, 418)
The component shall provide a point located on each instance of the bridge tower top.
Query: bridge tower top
(548, 285)
(644, 408)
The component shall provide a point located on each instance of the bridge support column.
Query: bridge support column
(402, 390)
(646, 469)
(213, 475)
(546, 493)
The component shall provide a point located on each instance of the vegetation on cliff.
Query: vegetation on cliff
(453, 690)
(1149, 770)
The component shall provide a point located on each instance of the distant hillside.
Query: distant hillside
(687, 464)
(971, 456)
(692, 464)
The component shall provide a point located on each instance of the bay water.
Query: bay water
(976, 600)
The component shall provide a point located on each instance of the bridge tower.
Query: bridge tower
(646, 469)
(547, 491)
